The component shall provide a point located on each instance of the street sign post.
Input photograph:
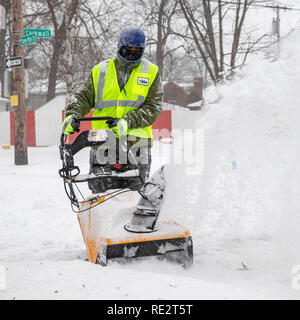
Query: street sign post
(27, 40)
(20, 129)
(38, 33)
(14, 62)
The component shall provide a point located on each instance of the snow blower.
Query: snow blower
(123, 234)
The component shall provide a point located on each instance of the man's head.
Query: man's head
(131, 44)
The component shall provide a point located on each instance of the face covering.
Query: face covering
(131, 55)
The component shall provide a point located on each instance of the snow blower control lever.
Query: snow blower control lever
(78, 120)
(85, 139)
(90, 138)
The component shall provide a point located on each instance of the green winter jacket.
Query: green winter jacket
(141, 117)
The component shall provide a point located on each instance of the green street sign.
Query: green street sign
(38, 33)
(27, 40)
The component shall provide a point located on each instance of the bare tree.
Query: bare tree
(160, 15)
(60, 31)
(240, 15)
(205, 20)
(69, 50)
(6, 4)
(84, 28)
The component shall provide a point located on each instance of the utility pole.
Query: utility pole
(278, 31)
(21, 157)
(2, 50)
(278, 23)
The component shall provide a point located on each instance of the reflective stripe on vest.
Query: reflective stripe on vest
(109, 101)
(100, 104)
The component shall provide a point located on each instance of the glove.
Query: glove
(118, 126)
(70, 125)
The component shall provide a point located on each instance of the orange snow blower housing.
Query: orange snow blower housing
(113, 230)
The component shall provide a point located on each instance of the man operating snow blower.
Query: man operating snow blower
(125, 94)
(127, 88)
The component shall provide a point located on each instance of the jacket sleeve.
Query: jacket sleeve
(84, 100)
(150, 110)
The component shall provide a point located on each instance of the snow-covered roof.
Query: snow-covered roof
(56, 103)
(3, 102)
(185, 85)
(171, 106)
(195, 104)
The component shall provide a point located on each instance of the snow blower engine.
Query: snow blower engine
(142, 235)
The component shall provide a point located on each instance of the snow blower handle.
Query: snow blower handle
(78, 120)
(94, 119)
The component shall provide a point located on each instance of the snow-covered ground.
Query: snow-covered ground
(243, 210)
(42, 249)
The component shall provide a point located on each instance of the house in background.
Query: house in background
(175, 93)
(183, 94)
(3, 104)
(44, 119)
(195, 105)
(44, 124)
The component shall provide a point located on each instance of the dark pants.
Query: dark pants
(105, 162)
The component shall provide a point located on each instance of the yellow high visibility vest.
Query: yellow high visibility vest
(110, 102)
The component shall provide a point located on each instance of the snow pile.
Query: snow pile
(250, 185)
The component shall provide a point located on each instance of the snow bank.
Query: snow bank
(250, 185)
